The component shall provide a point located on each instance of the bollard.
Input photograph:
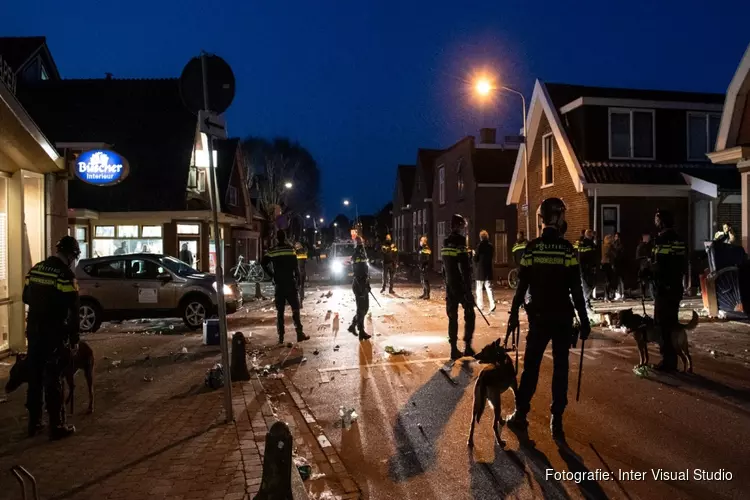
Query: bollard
(258, 293)
(238, 369)
(277, 465)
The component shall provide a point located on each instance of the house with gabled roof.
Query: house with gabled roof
(616, 155)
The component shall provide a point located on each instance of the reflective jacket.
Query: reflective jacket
(424, 256)
(669, 261)
(360, 267)
(587, 257)
(456, 264)
(284, 261)
(51, 292)
(518, 249)
(390, 253)
(549, 271)
(301, 258)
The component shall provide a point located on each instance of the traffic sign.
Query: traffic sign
(219, 83)
(212, 124)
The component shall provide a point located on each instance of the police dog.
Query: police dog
(645, 330)
(494, 379)
(82, 359)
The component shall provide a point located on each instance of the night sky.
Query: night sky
(363, 84)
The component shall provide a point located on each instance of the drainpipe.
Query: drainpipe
(596, 211)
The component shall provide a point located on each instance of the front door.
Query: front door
(188, 249)
(144, 289)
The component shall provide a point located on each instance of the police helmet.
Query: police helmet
(552, 212)
(663, 219)
(68, 246)
(280, 236)
(458, 221)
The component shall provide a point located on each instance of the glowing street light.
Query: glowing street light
(346, 202)
(288, 185)
(483, 87)
(335, 224)
(321, 220)
(307, 216)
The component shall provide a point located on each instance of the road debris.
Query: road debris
(395, 350)
(3, 400)
(116, 363)
(148, 378)
(642, 371)
(348, 416)
(317, 476)
(304, 468)
(336, 348)
(316, 352)
(184, 350)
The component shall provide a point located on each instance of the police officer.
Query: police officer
(361, 289)
(424, 262)
(285, 275)
(667, 268)
(51, 292)
(549, 270)
(390, 261)
(588, 263)
(301, 252)
(457, 275)
(519, 247)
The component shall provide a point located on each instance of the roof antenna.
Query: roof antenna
(108, 76)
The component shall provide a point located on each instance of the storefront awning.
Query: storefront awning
(22, 145)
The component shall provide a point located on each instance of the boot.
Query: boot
(556, 426)
(390, 290)
(352, 329)
(281, 339)
(518, 421)
(421, 296)
(468, 351)
(427, 296)
(455, 353)
(61, 432)
(35, 428)
(382, 290)
(363, 335)
(301, 337)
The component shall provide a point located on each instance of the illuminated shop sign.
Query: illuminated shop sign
(101, 167)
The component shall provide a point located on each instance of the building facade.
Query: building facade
(403, 212)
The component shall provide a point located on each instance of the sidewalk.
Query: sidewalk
(162, 437)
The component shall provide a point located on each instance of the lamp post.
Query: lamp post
(483, 87)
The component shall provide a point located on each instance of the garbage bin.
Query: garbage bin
(211, 332)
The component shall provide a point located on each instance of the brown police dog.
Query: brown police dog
(645, 330)
(494, 379)
(82, 359)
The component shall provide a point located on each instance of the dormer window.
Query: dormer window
(631, 134)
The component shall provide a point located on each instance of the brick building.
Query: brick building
(402, 209)
(616, 155)
(421, 198)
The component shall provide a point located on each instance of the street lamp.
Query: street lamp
(288, 185)
(483, 87)
(335, 224)
(307, 216)
(346, 202)
(321, 220)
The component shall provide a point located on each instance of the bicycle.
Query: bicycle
(513, 278)
(251, 271)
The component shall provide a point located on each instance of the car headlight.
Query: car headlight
(227, 289)
(337, 267)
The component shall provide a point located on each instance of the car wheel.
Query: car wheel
(195, 310)
(89, 316)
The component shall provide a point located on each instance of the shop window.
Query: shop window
(114, 269)
(151, 231)
(81, 237)
(104, 232)
(144, 270)
(105, 247)
(33, 213)
(127, 231)
(188, 228)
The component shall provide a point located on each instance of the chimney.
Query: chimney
(487, 136)
(107, 76)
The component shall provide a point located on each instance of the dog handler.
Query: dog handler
(549, 270)
(285, 275)
(667, 268)
(457, 276)
(51, 292)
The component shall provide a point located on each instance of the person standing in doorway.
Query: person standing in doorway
(186, 255)
(483, 257)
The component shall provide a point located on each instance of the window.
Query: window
(105, 232)
(702, 131)
(424, 221)
(501, 248)
(441, 185)
(201, 184)
(460, 178)
(114, 269)
(631, 134)
(188, 229)
(547, 171)
(151, 231)
(127, 231)
(144, 270)
(610, 220)
(499, 225)
(440, 238)
(193, 178)
(232, 195)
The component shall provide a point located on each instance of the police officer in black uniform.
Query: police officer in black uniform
(549, 270)
(51, 292)
(285, 275)
(424, 262)
(457, 274)
(588, 262)
(301, 250)
(667, 268)
(519, 247)
(361, 289)
(390, 261)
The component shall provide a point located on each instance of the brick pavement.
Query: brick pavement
(168, 440)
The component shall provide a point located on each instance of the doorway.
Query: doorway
(188, 251)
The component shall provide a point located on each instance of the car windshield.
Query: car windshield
(177, 266)
(343, 250)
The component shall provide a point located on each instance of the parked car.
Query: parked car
(148, 286)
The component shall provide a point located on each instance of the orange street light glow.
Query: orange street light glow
(483, 87)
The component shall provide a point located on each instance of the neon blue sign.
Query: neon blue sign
(101, 167)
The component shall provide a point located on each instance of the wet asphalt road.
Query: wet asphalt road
(410, 438)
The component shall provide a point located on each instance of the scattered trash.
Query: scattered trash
(316, 352)
(304, 468)
(421, 429)
(329, 294)
(328, 314)
(614, 369)
(184, 350)
(289, 345)
(215, 377)
(276, 375)
(303, 360)
(641, 371)
(395, 350)
(148, 378)
(713, 353)
(722, 314)
(317, 476)
(505, 302)
(145, 348)
(3, 400)
(348, 416)
(336, 347)
(116, 363)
